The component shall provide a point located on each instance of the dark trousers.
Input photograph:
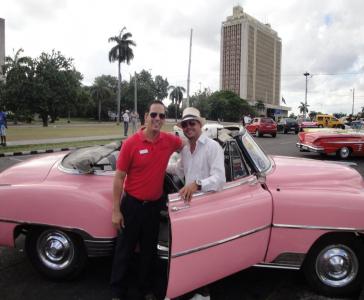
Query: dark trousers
(126, 127)
(141, 221)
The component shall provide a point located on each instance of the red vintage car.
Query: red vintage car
(260, 126)
(342, 143)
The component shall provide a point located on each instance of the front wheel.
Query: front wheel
(55, 253)
(334, 266)
(274, 135)
(344, 153)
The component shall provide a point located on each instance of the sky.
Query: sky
(324, 38)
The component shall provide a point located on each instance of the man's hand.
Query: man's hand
(187, 191)
(117, 220)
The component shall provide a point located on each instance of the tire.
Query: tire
(274, 135)
(334, 266)
(342, 126)
(56, 254)
(285, 131)
(344, 153)
(296, 132)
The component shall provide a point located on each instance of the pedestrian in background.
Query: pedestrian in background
(126, 120)
(134, 120)
(3, 126)
(138, 200)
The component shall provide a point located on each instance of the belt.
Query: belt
(144, 202)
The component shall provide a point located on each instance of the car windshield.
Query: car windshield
(257, 155)
(85, 160)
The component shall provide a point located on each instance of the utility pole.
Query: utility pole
(189, 71)
(305, 108)
(352, 109)
(135, 94)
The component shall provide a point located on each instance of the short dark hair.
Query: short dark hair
(155, 102)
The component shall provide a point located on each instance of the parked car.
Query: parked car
(306, 123)
(274, 212)
(342, 143)
(286, 125)
(329, 121)
(261, 126)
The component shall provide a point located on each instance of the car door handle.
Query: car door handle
(175, 208)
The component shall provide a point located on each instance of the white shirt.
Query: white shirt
(206, 163)
(126, 117)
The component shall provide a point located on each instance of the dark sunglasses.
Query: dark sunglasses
(190, 123)
(153, 115)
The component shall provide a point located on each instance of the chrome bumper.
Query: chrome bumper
(308, 148)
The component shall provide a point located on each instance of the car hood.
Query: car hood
(30, 171)
(293, 172)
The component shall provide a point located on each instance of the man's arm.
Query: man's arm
(117, 217)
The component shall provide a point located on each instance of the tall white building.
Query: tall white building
(250, 62)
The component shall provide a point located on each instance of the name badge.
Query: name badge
(143, 151)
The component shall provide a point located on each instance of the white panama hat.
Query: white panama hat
(191, 113)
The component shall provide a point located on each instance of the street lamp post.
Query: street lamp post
(305, 108)
(352, 108)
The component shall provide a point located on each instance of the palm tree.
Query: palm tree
(176, 96)
(303, 108)
(121, 52)
(99, 92)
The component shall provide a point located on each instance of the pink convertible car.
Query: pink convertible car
(274, 212)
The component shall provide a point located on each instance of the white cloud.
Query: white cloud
(321, 37)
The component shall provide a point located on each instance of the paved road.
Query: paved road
(18, 280)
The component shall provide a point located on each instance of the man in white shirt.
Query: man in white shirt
(126, 120)
(202, 159)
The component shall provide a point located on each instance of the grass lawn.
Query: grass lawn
(63, 130)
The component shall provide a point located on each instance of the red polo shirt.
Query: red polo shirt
(145, 163)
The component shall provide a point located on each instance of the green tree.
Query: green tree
(161, 87)
(55, 86)
(100, 91)
(303, 108)
(312, 114)
(176, 95)
(17, 90)
(121, 52)
(292, 116)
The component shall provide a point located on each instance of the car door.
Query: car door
(252, 127)
(218, 233)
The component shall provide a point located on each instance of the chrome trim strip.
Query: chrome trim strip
(218, 243)
(276, 266)
(311, 227)
(346, 142)
(227, 185)
(10, 221)
(310, 148)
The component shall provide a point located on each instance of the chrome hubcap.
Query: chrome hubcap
(55, 249)
(337, 265)
(344, 152)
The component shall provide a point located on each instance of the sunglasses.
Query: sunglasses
(190, 123)
(153, 115)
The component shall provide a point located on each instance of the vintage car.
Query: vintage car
(262, 125)
(273, 212)
(286, 125)
(306, 123)
(343, 143)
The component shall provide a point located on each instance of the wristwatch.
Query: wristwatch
(199, 184)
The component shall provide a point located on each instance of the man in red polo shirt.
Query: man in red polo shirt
(138, 182)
